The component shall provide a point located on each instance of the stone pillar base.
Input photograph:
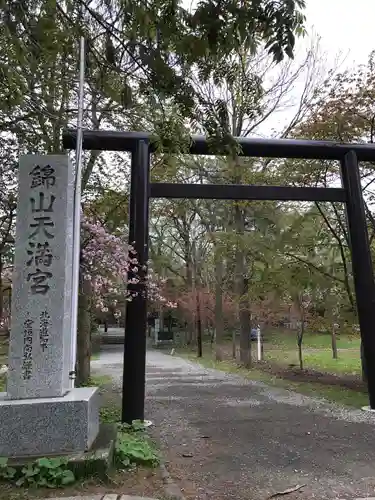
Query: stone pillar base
(49, 426)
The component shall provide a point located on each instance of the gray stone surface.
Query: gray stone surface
(49, 426)
(99, 459)
(84, 497)
(130, 497)
(109, 496)
(245, 440)
(40, 342)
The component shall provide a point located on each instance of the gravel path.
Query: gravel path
(230, 438)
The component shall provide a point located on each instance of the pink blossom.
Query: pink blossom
(105, 262)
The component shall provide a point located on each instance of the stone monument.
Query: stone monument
(39, 413)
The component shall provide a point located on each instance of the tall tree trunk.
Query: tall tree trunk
(161, 319)
(333, 341)
(196, 276)
(234, 344)
(161, 315)
(1, 286)
(300, 357)
(242, 290)
(299, 342)
(245, 326)
(83, 334)
(189, 285)
(199, 324)
(219, 319)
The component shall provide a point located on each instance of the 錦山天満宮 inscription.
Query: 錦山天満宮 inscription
(39, 251)
(42, 278)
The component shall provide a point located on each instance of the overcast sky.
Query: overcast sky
(344, 25)
(347, 35)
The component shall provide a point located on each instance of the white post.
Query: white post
(259, 344)
(77, 211)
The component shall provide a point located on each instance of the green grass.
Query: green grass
(288, 340)
(100, 380)
(331, 393)
(348, 362)
(281, 348)
(317, 352)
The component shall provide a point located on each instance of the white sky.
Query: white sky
(344, 26)
(347, 36)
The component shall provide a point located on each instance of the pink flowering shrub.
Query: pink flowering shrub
(103, 261)
(106, 264)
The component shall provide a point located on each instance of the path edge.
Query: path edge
(172, 491)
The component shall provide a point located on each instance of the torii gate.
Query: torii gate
(140, 145)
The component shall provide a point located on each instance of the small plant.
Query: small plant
(44, 472)
(133, 447)
(136, 426)
(6, 473)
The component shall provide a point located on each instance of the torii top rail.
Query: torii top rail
(113, 140)
(140, 145)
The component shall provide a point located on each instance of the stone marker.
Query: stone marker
(39, 414)
(40, 342)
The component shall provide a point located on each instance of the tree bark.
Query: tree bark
(199, 325)
(234, 344)
(83, 334)
(242, 289)
(219, 319)
(245, 326)
(1, 286)
(334, 343)
(300, 357)
(299, 342)
(189, 285)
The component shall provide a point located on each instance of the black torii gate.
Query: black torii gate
(140, 145)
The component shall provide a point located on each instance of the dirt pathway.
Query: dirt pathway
(230, 438)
